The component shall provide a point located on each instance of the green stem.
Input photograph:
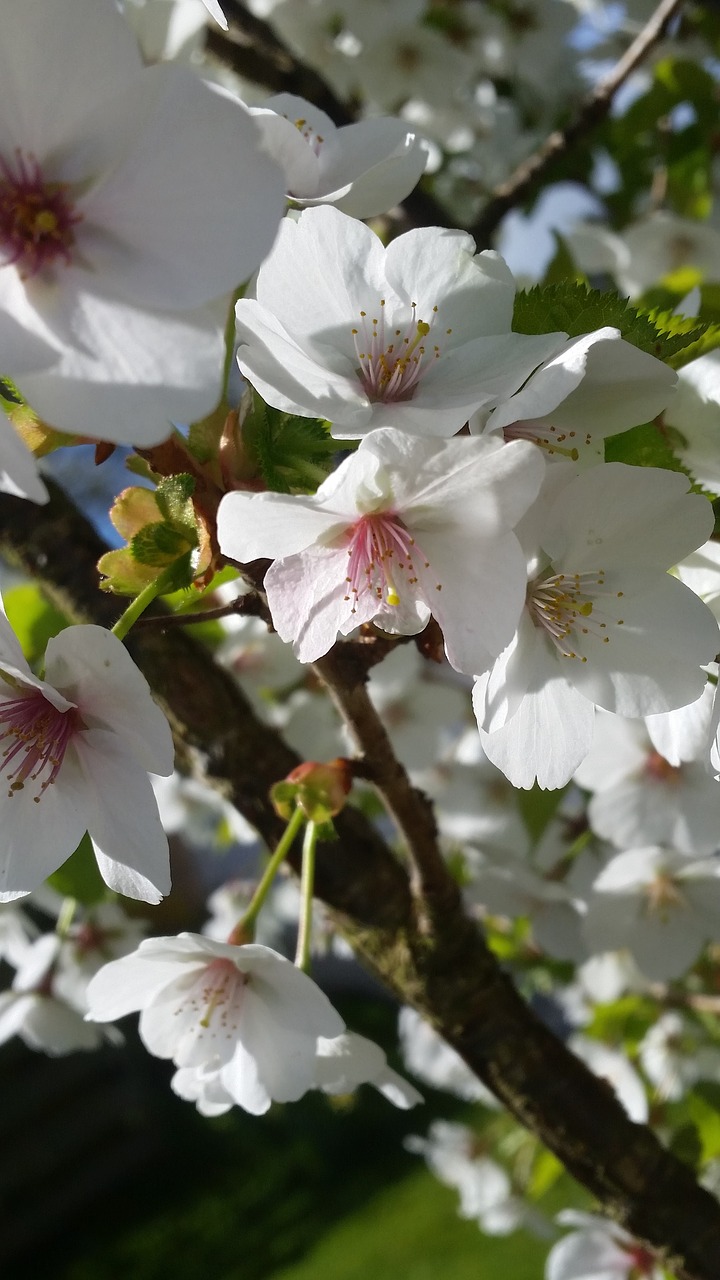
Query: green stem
(307, 884)
(141, 602)
(281, 851)
(230, 341)
(65, 918)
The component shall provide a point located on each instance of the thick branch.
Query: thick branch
(435, 959)
(592, 111)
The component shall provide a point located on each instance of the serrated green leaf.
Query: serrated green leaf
(79, 877)
(576, 309)
(174, 498)
(33, 619)
(158, 544)
(293, 454)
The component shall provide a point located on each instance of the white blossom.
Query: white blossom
(414, 336)
(244, 1013)
(75, 751)
(363, 168)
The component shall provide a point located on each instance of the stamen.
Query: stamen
(571, 605)
(37, 736)
(392, 361)
(37, 218)
(216, 997)
(553, 440)
(375, 543)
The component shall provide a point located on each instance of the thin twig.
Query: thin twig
(410, 808)
(594, 109)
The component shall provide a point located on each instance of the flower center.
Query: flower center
(37, 218)
(34, 737)
(660, 769)
(381, 547)
(643, 1262)
(568, 606)
(662, 895)
(217, 995)
(392, 361)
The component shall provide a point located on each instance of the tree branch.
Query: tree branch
(591, 113)
(435, 959)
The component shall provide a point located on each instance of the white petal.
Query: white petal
(95, 671)
(123, 818)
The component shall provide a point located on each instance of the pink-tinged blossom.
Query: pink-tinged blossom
(414, 336)
(105, 178)
(75, 751)
(599, 1250)
(363, 168)
(404, 528)
(242, 1018)
(604, 623)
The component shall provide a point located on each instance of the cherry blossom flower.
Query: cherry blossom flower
(404, 528)
(363, 169)
(416, 336)
(245, 1014)
(455, 1155)
(349, 1060)
(660, 904)
(598, 1250)
(639, 796)
(596, 386)
(675, 1053)
(32, 1010)
(104, 179)
(75, 749)
(604, 623)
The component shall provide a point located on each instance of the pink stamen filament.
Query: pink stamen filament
(391, 363)
(375, 542)
(36, 735)
(37, 218)
(314, 140)
(566, 605)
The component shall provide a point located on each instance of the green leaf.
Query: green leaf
(703, 1107)
(646, 446)
(158, 544)
(572, 307)
(545, 1172)
(174, 499)
(79, 877)
(123, 574)
(33, 619)
(292, 454)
